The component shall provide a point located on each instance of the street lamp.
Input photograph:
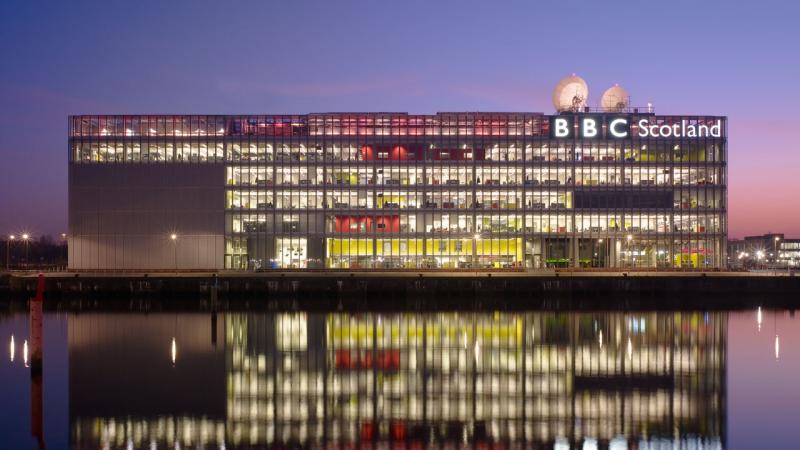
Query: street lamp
(600, 251)
(26, 237)
(775, 260)
(760, 256)
(65, 255)
(174, 238)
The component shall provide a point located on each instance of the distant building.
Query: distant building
(789, 253)
(765, 251)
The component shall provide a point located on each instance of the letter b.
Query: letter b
(589, 128)
(561, 127)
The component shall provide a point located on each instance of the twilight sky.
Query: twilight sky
(738, 59)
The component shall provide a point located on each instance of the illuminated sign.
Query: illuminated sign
(590, 126)
(682, 129)
(619, 127)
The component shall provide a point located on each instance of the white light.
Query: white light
(600, 338)
(173, 236)
(174, 351)
(630, 237)
(758, 318)
(11, 348)
(25, 352)
(777, 347)
(25, 236)
(477, 236)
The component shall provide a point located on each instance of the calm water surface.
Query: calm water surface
(487, 380)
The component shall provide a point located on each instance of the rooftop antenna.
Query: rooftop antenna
(570, 94)
(615, 99)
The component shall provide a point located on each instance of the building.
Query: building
(602, 380)
(619, 190)
(771, 250)
(789, 253)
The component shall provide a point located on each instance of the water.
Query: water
(492, 380)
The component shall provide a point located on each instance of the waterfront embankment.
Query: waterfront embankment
(379, 290)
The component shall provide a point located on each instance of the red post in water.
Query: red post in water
(36, 324)
(37, 409)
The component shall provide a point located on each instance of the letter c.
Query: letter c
(612, 127)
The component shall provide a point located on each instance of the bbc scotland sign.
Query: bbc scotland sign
(595, 126)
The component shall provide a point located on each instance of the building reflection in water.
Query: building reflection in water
(518, 380)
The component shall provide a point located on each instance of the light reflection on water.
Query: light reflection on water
(593, 380)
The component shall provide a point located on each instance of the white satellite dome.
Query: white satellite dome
(615, 99)
(570, 94)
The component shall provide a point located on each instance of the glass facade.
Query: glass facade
(445, 191)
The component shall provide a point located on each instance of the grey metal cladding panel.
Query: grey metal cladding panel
(144, 198)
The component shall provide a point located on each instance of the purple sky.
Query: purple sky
(729, 58)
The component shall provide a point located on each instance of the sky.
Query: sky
(738, 59)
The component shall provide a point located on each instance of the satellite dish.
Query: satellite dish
(615, 99)
(570, 94)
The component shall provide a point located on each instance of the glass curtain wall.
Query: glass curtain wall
(448, 191)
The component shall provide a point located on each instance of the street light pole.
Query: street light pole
(8, 251)
(600, 253)
(174, 238)
(65, 244)
(26, 237)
